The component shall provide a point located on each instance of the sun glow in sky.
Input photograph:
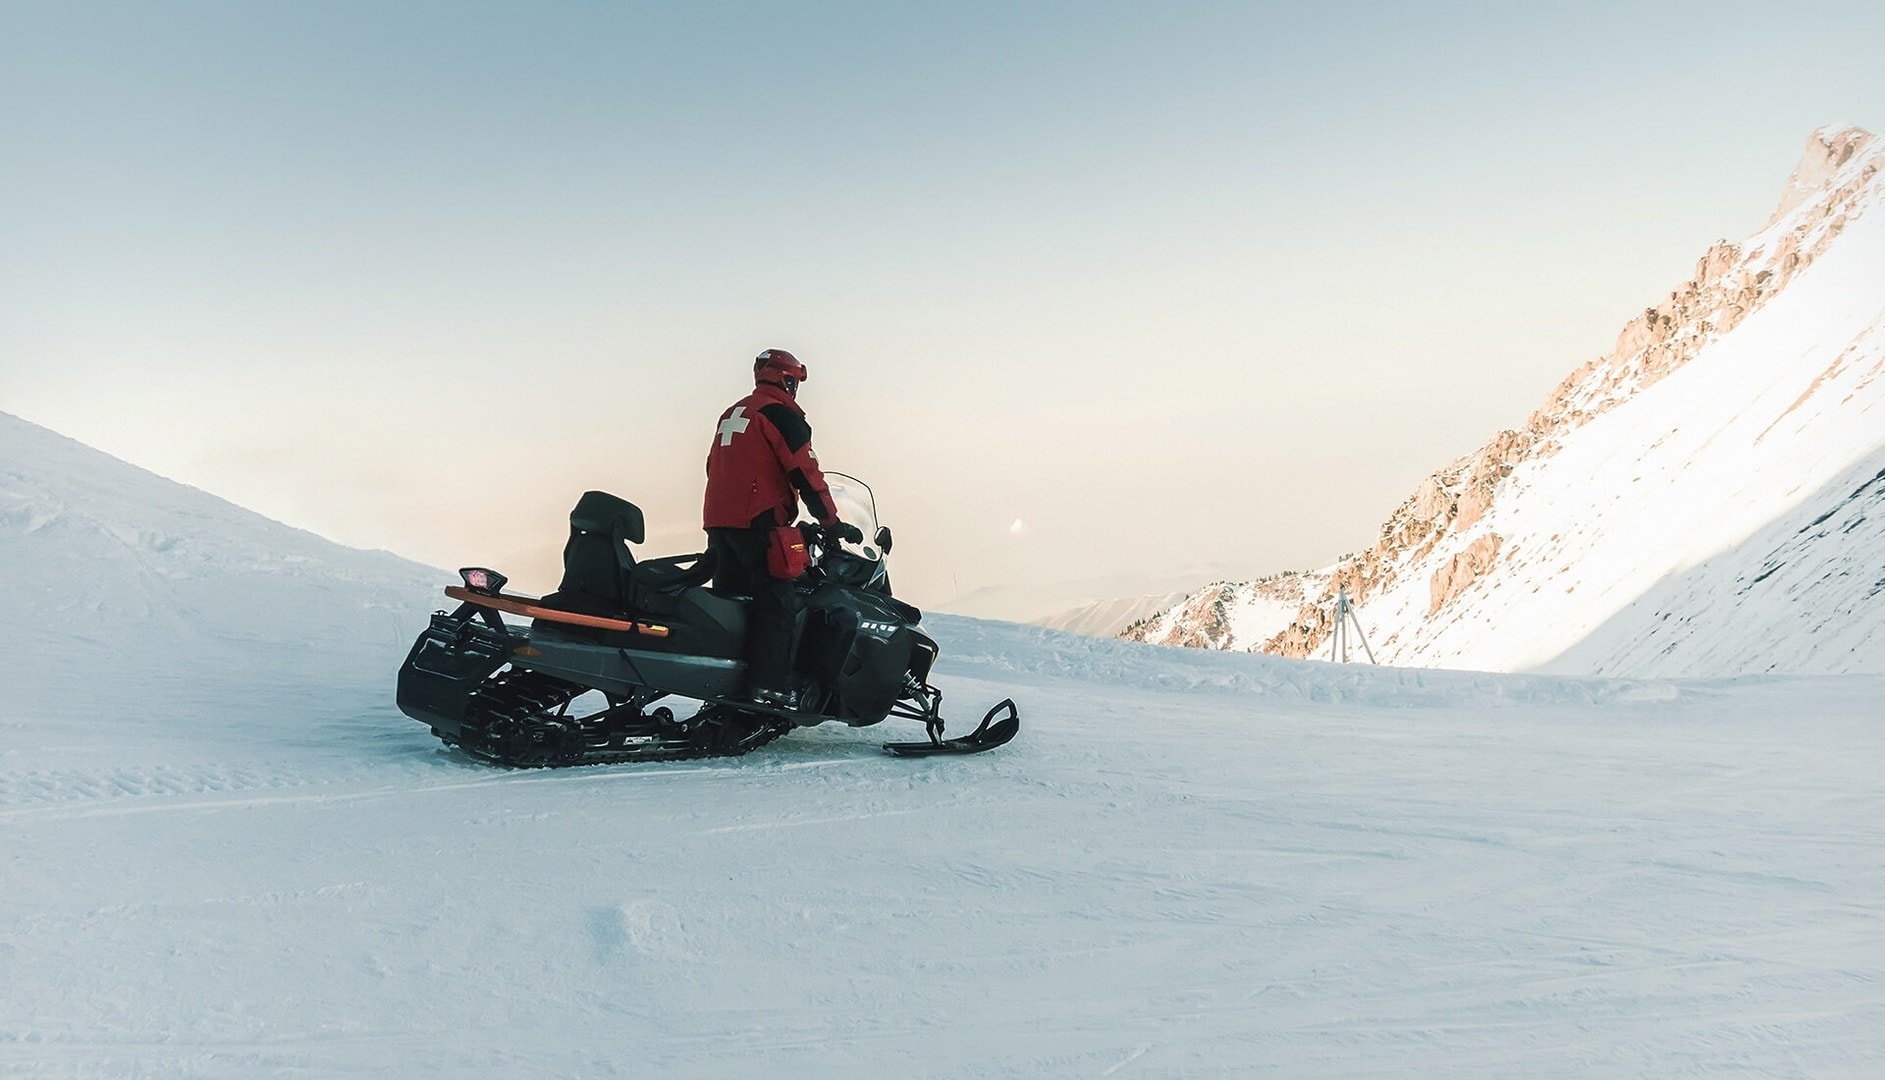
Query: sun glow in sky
(1182, 286)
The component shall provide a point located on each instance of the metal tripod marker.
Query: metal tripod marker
(1338, 638)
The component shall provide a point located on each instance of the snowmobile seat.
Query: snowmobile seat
(657, 585)
(598, 568)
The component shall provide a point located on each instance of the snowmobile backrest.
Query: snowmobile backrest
(601, 512)
(596, 560)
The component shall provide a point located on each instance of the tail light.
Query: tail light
(480, 580)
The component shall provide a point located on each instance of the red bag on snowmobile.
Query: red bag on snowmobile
(786, 553)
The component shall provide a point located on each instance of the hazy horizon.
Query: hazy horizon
(1211, 286)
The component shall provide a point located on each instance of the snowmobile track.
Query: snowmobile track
(518, 719)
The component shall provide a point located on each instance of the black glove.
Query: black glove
(846, 532)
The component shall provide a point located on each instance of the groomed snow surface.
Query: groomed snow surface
(223, 853)
(1189, 863)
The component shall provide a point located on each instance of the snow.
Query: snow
(224, 857)
(1262, 615)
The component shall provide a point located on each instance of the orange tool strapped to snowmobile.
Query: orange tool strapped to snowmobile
(526, 607)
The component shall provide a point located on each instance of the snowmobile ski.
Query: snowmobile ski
(988, 735)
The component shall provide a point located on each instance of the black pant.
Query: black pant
(772, 616)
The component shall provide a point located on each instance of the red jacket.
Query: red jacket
(761, 463)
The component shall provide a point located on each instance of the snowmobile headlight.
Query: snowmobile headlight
(480, 580)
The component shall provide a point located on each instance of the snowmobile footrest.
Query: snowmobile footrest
(991, 733)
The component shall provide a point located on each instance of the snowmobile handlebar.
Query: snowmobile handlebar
(829, 537)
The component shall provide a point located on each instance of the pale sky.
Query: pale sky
(1180, 286)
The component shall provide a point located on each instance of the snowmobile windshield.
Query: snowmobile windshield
(856, 506)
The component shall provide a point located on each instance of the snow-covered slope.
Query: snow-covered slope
(1707, 499)
(1189, 863)
(124, 585)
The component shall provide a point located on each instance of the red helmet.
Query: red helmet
(777, 365)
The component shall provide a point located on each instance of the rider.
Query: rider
(759, 466)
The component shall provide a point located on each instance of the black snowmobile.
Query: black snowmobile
(579, 684)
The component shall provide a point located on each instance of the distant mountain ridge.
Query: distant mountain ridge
(1106, 618)
(1708, 498)
(1047, 601)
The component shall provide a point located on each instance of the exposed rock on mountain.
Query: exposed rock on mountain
(1746, 401)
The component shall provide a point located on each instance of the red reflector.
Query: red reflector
(480, 580)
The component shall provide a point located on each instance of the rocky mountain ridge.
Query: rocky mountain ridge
(1437, 547)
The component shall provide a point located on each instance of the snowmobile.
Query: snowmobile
(588, 679)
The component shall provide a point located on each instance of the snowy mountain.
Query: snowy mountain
(226, 854)
(1105, 618)
(1053, 602)
(1706, 499)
